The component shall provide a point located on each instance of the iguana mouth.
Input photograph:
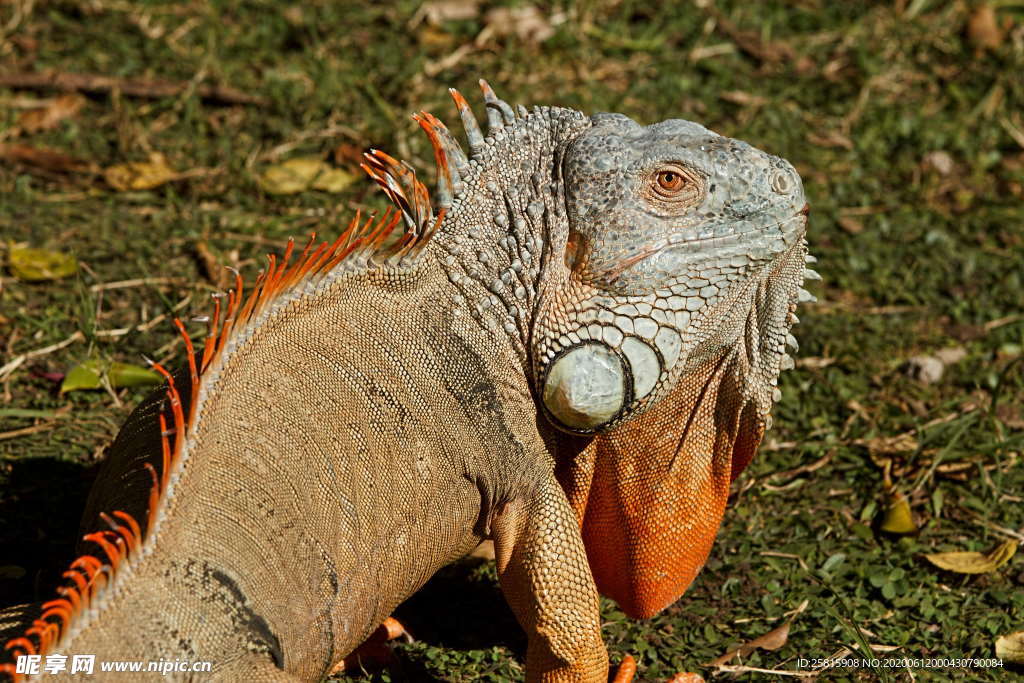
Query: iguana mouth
(581, 265)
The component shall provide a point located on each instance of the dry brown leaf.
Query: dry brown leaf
(46, 159)
(214, 271)
(347, 154)
(772, 640)
(1011, 647)
(983, 29)
(970, 562)
(889, 445)
(526, 22)
(851, 225)
(815, 362)
(140, 175)
(830, 138)
(742, 98)
(440, 11)
(50, 116)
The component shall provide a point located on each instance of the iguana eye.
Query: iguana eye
(674, 187)
(670, 181)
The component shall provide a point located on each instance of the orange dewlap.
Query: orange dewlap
(651, 493)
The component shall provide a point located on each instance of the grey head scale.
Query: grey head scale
(617, 258)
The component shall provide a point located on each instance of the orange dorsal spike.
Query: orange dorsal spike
(136, 532)
(112, 551)
(71, 595)
(211, 336)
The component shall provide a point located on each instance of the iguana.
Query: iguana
(572, 350)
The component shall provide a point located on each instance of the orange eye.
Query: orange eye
(674, 187)
(671, 181)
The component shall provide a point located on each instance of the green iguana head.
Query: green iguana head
(673, 233)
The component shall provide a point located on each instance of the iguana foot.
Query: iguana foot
(375, 653)
(627, 669)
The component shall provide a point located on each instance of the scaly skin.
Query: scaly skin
(576, 365)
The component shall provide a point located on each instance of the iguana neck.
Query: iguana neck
(505, 228)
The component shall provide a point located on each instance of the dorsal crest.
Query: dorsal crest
(398, 179)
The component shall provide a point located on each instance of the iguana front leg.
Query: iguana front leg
(542, 566)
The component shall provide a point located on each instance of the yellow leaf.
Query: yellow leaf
(1011, 647)
(140, 175)
(89, 375)
(301, 174)
(898, 518)
(973, 562)
(37, 265)
(333, 180)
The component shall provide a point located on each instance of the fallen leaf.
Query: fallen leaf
(925, 369)
(939, 160)
(46, 159)
(983, 29)
(50, 116)
(440, 11)
(953, 354)
(1011, 647)
(214, 271)
(816, 362)
(742, 98)
(772, 640)
(897, 518)
(526, 22)
(38, 265)
(140, 175)
(888, 445)
(347, 154)
(970, 562)
(928, 369)
(89, 375)
(850, 225)
(303, 173)
(830, 139)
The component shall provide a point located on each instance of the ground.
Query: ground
(904, 119)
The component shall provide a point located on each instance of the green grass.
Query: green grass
(914, 260)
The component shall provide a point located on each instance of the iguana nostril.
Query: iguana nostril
(585, 387)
